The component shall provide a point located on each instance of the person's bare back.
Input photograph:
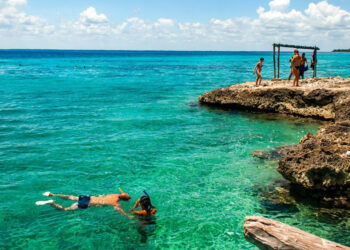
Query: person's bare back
(104, 200)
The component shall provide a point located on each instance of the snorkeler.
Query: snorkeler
(85, 201)
(258, 69)
(146, 206)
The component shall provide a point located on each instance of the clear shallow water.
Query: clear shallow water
(131, 120)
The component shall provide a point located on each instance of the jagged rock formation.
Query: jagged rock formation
(325, 98)
(319, 164)
(270, 234)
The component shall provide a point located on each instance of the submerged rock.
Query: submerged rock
(275, 154)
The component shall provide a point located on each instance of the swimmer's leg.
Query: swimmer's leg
(294, 76)
(258, 77)
(297, 78)
(71, 208)
(66, 197)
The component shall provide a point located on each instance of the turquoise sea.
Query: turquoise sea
(130, 119)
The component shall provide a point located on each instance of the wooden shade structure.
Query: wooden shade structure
(279, 45)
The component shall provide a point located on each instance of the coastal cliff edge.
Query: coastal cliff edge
(319, 164)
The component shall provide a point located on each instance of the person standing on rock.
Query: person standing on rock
(258, 69)
(291, 69)
(296, 62)
(302, 66)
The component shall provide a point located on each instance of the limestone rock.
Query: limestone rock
(322, 98)
(320, 163)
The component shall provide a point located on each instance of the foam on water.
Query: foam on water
(130, 120)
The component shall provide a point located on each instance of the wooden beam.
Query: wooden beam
(297, 46)
(278, 62)
(271, 234)
(274, 62)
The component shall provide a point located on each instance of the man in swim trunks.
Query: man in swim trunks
(302, 65)
(296, 62)
(258, 69)
(88, 201)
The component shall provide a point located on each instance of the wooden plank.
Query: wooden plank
(278, 62)
(297, 46)
(270, 234)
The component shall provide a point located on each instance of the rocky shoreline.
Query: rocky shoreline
(320, 164)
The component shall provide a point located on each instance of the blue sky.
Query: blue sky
(180, 10)
(178, 25)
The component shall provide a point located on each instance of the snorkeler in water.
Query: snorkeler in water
(147, 208)
(84, 201)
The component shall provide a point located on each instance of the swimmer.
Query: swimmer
(258, 69)
(85, 201)
(146, 206)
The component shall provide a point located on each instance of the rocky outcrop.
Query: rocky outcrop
(320, 164)
(323, 98)
(270, 234)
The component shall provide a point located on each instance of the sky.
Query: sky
(228, 25)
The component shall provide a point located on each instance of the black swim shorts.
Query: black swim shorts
(83, 201)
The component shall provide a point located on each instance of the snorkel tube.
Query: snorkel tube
(144, 191)
(122, 192)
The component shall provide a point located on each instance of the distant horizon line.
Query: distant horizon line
(150, 50)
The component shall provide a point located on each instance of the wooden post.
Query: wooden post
(274, 62)
(278, 62)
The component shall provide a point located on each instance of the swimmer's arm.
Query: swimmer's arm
(144, 213)
(255, 68)
(292, 60)
(137, 203)
(120, 210)
(154, 210)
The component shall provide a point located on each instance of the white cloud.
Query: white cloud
(279, 5)
(321, 23)
(325, 15)
(90, 16)
(15, 22)
(17, 2)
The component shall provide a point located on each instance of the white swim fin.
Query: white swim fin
(40, 203)
(46, 193)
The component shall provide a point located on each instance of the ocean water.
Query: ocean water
(131, 120)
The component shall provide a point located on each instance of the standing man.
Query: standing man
(296, 62)
(258, 69)
(85, 201)
(302, 66)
